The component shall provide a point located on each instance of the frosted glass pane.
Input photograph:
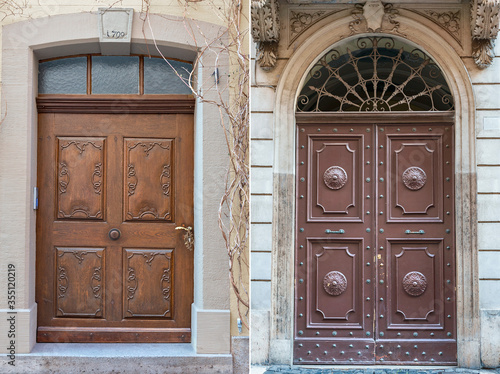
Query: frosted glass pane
(115, 74)
(160, 78)
(64, 76)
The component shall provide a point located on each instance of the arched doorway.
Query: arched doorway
(375, 260)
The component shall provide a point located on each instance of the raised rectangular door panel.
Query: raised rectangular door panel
(375, 265)
(80, 178)
(125, 274)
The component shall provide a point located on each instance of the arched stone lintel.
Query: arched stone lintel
(282, 281)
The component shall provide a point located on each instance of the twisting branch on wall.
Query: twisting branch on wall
(230, 95)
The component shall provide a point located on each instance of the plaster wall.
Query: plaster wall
(23, 43)
(269, 127)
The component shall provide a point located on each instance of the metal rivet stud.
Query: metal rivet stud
(368, 230)
(367, 346)
(448, 334)
(381, 316)
(368, 316)
(367, 130)
(423, 353)
(432, 360)
(368, 147)
(317, 358)
(447, 196)
(301, 264)
(381, 162)
(381, 248)
(367, 264)
(447, 146)
(447, 213)
(368, 162)
(301, 196)
(368, 212)
(302, 162)
(432, 334)
(382, 299)
(448, 231)
(447, 162)
(302, 179)
(398, 129)
(350, 359)
(415, 360)
(368, 281)
(390, 353)
(334, 345)
(301, 246)
(335, 130)
(301, 281)
(367, 299)
(319, 130)
(415, 334)
(301, 315)
(440, 353)
(317, 332)
(301, 298)
(415, 346)
(351, 334)
(398, 346)
(368, 333)
(381, 196)
(334, 333)
(367, 196)
(381, 146)
(317, 345)
(351, 346)
(447, 179)
(367, 247)
(301, 345)
(381, 179)
(301, 332)
(381, 334)
(381, 359)
(448, 264)
(302, 130)
(447, 247)
(301, 229)
(399, 334)
(368, 180)
(381, 129)
(407, 353)
(342, 352)
(381, 231)
(351, 130)
(448, 281)
(325, 352)
(333, 359)
(359, 353)
(301, 147)
(381, 281)
(414, 129)
(308, 352)
(448, 299)
(430, 129)
(300, 359)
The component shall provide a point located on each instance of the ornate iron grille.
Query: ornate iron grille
(375, 74)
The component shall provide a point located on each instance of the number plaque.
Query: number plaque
(115, 28)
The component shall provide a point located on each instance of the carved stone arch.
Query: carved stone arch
(291, 80)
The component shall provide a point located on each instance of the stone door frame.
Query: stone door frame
(23, 44)
(443, 51)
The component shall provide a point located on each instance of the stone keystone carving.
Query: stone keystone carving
(266, 31)
(377, 16)
(484, 26)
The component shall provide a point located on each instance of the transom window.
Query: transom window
(94, 75)
(375, 74)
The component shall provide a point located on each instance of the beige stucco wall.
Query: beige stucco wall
(269, 131)
(55, 29)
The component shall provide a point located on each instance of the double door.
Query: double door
(375, 263)
(111, 266)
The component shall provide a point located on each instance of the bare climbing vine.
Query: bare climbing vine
(232, 100)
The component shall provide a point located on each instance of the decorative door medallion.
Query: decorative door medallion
(375, 260)
(110, 265)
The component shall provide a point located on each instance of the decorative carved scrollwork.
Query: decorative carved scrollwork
(335, 177)
(335, 283)
(266, 31)
(97, 178)
(62, 282)
(414, 178)
(485, 24)
(414, 283)
(450, 21)
(165, 180)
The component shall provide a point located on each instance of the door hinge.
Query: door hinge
(35, 198)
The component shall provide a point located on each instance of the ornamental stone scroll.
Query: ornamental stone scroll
(266, 31)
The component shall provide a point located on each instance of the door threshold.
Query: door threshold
(124, 358)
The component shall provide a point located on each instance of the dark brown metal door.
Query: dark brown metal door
(375, 269)
(110, 265)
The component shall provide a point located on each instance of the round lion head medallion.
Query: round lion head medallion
(335, 283)
(414, 283)
(335, 177)
(414, 178)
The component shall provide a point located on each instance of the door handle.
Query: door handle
(114, 234)
(415, 232)
(328, 231)
(188, 236)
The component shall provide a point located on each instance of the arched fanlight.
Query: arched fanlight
(375, 74)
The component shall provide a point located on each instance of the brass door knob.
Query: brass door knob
(114, 234)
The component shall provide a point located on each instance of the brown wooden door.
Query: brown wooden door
(375, 269)
(110, 265)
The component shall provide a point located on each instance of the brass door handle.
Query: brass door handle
(188, 236)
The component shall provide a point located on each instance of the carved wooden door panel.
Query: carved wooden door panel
(110, 265)
(374, 252)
